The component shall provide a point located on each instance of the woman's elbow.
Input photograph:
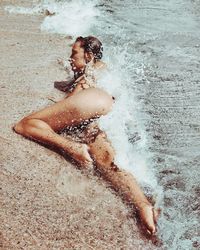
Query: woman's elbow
(19, 127)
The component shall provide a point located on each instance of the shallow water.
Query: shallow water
(152, 50)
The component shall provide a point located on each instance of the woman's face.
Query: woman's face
(77, 58)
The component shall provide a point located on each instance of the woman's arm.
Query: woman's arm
(77, 85)
(64, 86)
(81, 85)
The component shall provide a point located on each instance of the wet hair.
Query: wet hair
(91, 44)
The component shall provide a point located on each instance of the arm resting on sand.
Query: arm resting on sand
(67, 86)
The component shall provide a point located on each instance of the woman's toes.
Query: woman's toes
(83, 156)
(148, 218)
(86, 154)
(156, 213)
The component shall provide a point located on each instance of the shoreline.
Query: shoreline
(47, 202)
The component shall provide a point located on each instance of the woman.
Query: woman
(84, 105)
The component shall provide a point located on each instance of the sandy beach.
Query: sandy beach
(46, 202)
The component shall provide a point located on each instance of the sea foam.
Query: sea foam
(70, 17)
(66, 17)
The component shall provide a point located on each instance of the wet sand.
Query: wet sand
(46, 202)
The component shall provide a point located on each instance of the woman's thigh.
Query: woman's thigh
(85, 105)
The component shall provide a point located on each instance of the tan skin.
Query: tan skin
(82, 104)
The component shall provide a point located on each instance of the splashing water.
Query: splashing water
(64, 16)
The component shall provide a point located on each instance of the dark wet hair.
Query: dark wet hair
(91, 44)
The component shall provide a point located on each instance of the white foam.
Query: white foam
(122, 121)
(70, 17)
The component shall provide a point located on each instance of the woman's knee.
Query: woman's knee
(26, 125)
(93, 101)
(102, 152)
(104, 101)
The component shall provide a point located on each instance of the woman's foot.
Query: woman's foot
(79, 152)
(149, 216)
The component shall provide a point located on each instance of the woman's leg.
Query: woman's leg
(43, 125)
(40, 131)
(103, 154)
